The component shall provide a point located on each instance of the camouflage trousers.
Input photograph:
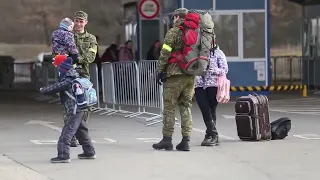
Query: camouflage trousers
(178, 90)
(66, 117)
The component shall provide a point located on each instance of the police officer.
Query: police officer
(178, 88)
(87, 46)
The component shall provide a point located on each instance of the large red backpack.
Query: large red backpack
(198, 38)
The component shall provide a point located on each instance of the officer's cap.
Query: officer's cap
(181, 12)
(81, 15)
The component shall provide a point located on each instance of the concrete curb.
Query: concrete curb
(11, 170)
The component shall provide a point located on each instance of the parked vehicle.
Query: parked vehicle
(43, 69)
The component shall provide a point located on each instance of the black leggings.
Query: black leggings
(207, 102)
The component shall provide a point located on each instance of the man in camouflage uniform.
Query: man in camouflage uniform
(87, 46)
(178, 88)
(87, 43)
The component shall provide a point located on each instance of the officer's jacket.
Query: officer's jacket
(173, 42)
(88, 47)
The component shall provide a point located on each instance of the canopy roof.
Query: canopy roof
(306, 2)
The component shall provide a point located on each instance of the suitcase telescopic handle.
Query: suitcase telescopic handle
(254, 94)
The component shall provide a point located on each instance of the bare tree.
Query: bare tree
(32, 21)
(44, 12)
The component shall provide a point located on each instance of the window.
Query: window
(226, 30)
(149, 33)
(240, 4)
(130, 30)
(192, 4)
(254, 35)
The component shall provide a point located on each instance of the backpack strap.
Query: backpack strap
(70, 95)
(73, 98)
(181, 27)
(174, 56)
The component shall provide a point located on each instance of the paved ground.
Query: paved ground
(308, 106)
(124, 150)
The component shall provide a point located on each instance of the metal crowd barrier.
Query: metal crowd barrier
(43, 75)
(94, 78)
(287, 70)
(132, 86)
(46, 74)
(150, 91)
(128, 88)
(27, 75)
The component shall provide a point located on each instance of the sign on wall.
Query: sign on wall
(149, 9)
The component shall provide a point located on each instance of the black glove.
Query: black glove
(75, 59)
(160, 78)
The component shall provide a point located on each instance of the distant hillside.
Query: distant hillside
(32, 21)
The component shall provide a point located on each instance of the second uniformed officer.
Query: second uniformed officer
(178, 87)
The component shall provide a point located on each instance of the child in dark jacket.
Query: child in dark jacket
(63, 42)
(75, 124)
(63, 46)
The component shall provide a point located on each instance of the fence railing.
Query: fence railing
(287, 70)
(296, 70)
(27, 76)
(132, 85)
(130, 88)
(31, 75)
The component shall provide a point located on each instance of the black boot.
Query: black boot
(60, 159)
(184, 144)
(165, 143)
(211, 138)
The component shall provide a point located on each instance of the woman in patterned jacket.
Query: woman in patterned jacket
(206, 91)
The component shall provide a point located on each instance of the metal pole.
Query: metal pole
(275, 70)
(291, 69)
(161, 24)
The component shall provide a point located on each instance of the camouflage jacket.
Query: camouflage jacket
(88, 47)
(173, 42)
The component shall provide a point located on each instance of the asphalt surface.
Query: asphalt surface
(124, 146)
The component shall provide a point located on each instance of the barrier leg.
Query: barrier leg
(53, 101)
(155, 122)
(305, 91)
(133, 114)
(108, 111)
(159, 121)
(96, 109)
(44, 98)
(153, 118)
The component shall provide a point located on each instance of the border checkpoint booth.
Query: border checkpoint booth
(242, 29)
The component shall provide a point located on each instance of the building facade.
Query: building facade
(242, 29)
